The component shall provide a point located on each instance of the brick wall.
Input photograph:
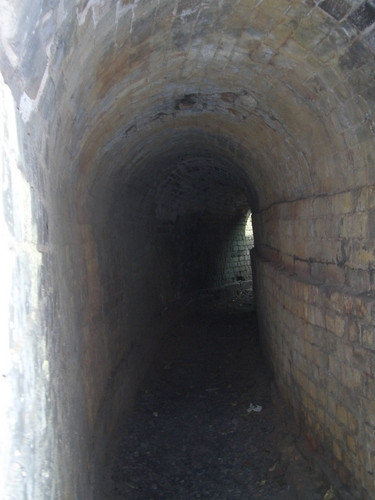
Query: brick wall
(234, 259)
(328, 237)
(201, 217)
(317, 324)
(281, 95)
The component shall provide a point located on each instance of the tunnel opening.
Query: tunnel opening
(170, 235)
(194, 216)
(202, 216)
(199, 226)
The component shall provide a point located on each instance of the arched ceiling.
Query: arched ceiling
(114, 96)
(282, 88)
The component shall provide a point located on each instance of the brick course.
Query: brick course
(106, 105)
(327, 382)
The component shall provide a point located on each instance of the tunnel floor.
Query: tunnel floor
(191, 434)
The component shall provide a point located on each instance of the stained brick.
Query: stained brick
(336, 8)
(368, 337)
(351, 443)
(363, 16)
(277, 98)
(337, 450)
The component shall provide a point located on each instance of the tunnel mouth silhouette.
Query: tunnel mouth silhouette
(168, 230)
(201, 216)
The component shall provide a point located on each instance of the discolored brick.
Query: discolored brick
(363, 16)
(336, 8)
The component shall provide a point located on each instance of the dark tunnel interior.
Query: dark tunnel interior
(165, 162)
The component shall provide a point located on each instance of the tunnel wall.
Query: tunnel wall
(202, 211)
(327, 237)
(314, 297)
(234, 261)
(25, 388)
(208, 252)
(282, 89)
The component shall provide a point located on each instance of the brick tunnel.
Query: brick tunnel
(137, 138)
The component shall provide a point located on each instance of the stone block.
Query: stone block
(336, 8)
(351, 443)
(320, 227)
(332, 384)
(364, 154)
(326, 50)
(340, 326)
(368, 410)
(279, 35)
(335, 274)
(343, 203)
(293, 50)
(334, 366)
(330, 321)
(361, 255)
(331, 408)
(357, 279)
(342, 92)
(322, 205)
(366, 199)
(353, 423)
(333, 427)
(313, 28)
(351, 378)
(368, 337)
(342, 414)
(262, 54)
(355, 56)
(353, 331)
(329, 76)
(356, 110)
(341, 119)
(301, 267)
(363, 16)
(357, 225)
(371, 224)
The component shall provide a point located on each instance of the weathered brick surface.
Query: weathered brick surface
(330, 380)
(327, 238)
(111, 97)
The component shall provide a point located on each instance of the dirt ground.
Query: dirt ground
(195, 431)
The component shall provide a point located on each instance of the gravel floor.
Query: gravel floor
(190, 435)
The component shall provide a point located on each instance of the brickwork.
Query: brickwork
(234, 261)
(201, 219)
(272, 102)
(328, 238)
(319, 335)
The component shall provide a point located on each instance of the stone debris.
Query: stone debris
(329, 494)
(255, 408)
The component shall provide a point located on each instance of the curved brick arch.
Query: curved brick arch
(271, 103)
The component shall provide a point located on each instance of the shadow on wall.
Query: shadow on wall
(210, 255)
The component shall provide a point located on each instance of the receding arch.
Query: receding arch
(110, 99)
